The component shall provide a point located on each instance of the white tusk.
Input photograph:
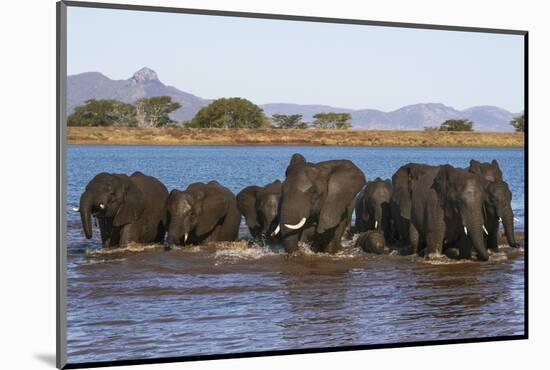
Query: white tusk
(500, 219)
(485, 229)
(101, 205)
(465, 230)
(298, 225)
(515, 219)
(185, 237)
(76, 209)
(276, 230)
(375, 225)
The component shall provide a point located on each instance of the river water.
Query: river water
(145, 302)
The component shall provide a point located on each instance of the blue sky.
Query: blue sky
(268, 61)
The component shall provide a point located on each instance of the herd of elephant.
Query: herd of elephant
(430, 210)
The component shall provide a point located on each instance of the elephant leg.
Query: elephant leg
(465, 246)
(434, 244)
(492, 238)
(404, 230)
(414, 238)
(161, 231)
(127, 235)
(335, 244)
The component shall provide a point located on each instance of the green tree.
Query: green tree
(292, 121)
(155, 111)
(230, 113)
(103, 112)
(457, 125)
(519, 123)
(332, 120)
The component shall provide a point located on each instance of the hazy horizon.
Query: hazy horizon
(269, 61)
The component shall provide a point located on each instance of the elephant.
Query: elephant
(498, 208)
(260, 207)
(202, 213)
(447, 207)
(372, 208)
(317, 202)
(129, 209)
(498, 203)
(400, 204)
(371, 242)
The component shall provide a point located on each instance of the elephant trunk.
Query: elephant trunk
(290, 243)
(178, 231)
(474, 229)
(86, 203)
(268, 221)
(508, 224)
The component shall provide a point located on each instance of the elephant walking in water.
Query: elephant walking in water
(498, 203)
(202, 213)
(260, 207)
(400, 204)
(447, 207)
(317, 202)
(128, 208)
(372, 208)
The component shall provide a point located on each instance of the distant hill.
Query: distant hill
(145, 83)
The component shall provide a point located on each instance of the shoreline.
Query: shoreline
(290, 137)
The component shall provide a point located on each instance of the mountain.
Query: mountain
(145, 83)
(410, 117)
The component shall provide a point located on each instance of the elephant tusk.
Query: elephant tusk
(101, 205)
(465, 230)
(375, 225)
(76, 209)
(516, 219)
(485, 229)
(185, 237)
(276, 230)
(298, 225)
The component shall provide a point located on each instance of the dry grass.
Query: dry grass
(182, 136)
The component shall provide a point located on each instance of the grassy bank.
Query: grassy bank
(181, 136)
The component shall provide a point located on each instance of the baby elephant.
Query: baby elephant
(372, 209)
(202, 213)
(260, 208)
(371, 242)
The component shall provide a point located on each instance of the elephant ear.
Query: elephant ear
(212, 208)
(442, 184)
(246, 202)
(296, 161)
(475, 167)
(342, 187)
(132, 206)
(496, 166)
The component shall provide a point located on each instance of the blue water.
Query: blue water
(144, 302)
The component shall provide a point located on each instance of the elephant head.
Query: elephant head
(462, 196)
(401, 186)
(490, 171)
(376, 201)
(114, 199)
(192, 214)
(317, 195)
(260, 207)
(499, 203)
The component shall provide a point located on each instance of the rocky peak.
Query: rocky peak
(143, 75)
